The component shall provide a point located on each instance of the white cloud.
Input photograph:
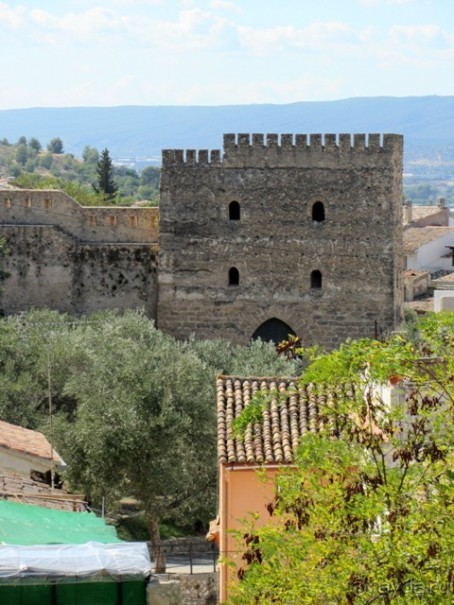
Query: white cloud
(319, 36)
(90, 22)
(12, 17)
(194, 29)
(417, 33)
(224, 5)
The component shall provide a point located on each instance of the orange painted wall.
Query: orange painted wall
(243, 493)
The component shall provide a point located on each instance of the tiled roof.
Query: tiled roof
(445, 279)
(419, 212)
(26, 441)
(414, 237)
(276, 439)
(410, 274)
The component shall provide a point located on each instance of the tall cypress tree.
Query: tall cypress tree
(104, 170)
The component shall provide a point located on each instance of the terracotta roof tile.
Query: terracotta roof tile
(445, 279)
(26, 441)
(275, 440)
(419, 212)
(414, 237)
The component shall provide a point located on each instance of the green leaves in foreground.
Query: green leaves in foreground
(368, 517)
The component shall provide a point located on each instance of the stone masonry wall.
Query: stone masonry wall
(276, 245)
(88, 224)
(65, 260)
(325, 276)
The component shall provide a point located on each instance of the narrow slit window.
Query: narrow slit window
(316, 280)
(234, 211)
(234, 276)
(318, 212)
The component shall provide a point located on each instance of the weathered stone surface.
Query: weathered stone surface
(199, 588)
(314, 240)
(163, 592)
(276, 245)
(59, 260)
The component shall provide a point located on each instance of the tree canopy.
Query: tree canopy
(367, 516)
(55, 145)
(105, 181)
(133, 409)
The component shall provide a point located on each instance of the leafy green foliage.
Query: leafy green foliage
(75, 177)
(104, 170)
(21, 154)
(55, 145)
(367, 517)
(34, 144)
(133, 409)
(81, 193)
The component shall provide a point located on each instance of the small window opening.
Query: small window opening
(318, 212)
(113, 220)
(7, 203)
(133, 220)
(92, 220)
(47, 203)
(28, 202)
(234, 211)
(316, 280)
(234, 276)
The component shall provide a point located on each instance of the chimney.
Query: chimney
(408, 214)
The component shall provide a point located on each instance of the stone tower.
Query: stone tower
(291, 234)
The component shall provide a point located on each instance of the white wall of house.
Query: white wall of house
(22, 464)
(433, 255)
(443, 300)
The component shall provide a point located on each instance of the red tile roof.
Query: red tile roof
(276, 438)
(415, 237)
(26, 441)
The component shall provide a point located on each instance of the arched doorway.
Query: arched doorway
(273, 330)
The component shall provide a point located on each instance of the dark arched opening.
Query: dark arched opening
(273, 330)
(318, 212)
(316, 279)
(234, 276)
(234, 211)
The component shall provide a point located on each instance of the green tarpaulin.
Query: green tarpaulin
(26, 524)
(54, 557)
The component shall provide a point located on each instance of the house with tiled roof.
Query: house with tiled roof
(292, 411)
(24, 451)
(427, 216)
(428, 248)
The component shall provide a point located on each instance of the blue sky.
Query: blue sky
(214, 52)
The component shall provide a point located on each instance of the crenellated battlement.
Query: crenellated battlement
(257, 150)
(113, 224)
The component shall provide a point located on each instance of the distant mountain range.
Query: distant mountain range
(427, 124)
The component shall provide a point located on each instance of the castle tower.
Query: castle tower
(292, 234)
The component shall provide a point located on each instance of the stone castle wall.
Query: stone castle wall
(88, 224)
(74, 259)
(303, 231)
(276, 246)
